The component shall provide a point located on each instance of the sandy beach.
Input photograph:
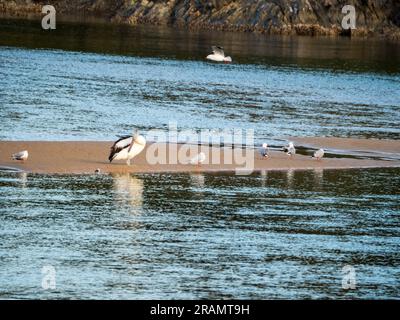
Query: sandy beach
(85, 157)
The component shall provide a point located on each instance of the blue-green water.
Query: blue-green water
(281, 235)
(278, 235)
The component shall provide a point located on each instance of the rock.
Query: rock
(302, 17)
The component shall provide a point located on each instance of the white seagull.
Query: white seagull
(22, 155)
(264, 150)
(319, 154)
(218, 55)
(127, 147)
(290, 149)
(199, 159)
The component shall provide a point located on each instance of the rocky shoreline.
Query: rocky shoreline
(284, 17)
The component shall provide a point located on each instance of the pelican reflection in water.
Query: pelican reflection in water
(128, 191)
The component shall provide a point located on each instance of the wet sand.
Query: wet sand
(350, 144)
(85, 157)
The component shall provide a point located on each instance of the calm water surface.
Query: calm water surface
(279, 235)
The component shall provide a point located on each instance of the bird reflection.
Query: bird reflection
(23, 179)
(318, 176)
(129, 190)
(197, 180)
(264, 177)
(289, 177)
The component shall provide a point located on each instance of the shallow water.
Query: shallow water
(119, 77)
(279, 235)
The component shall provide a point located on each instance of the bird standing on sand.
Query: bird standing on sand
(127, 147)
(290, 149)
(199, 159)
(218, 55)
(319, 154)
(264, 150)
(22, 155)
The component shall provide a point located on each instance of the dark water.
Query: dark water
(114, 78)
(355, 55)
(278, 235)
(281, 235)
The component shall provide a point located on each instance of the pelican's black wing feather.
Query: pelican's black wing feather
(118, 146)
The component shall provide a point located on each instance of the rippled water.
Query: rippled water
(292, 86)
(277, 235)
(280, 235)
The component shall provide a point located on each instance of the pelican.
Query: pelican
(22, 155)
(319, 154)
(264, 150)
(218, 55)
(199, 159)
(127, 147)
(290, 149)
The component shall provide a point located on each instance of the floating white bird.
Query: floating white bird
(199, 159)
(22, 155)
(218, 55)
(319, 154)
(127, 147)
(264, 150)
(290, 149)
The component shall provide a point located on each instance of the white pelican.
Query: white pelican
(290, 149)
(199, 159)
(319, 154)
(127, 147)
(22, 155)
(264, 150)
(218, 55)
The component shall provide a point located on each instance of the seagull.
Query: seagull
(199, 159)
(319, 154)
(22, 155)
(218, 55)
(127, 147)
(290, 149)
(264, 150)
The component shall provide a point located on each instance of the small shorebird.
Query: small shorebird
(218, 55)
(319, 154)
(22, 155)
(290, 149)
(199, 159)
(127, 147)
(264, 151)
